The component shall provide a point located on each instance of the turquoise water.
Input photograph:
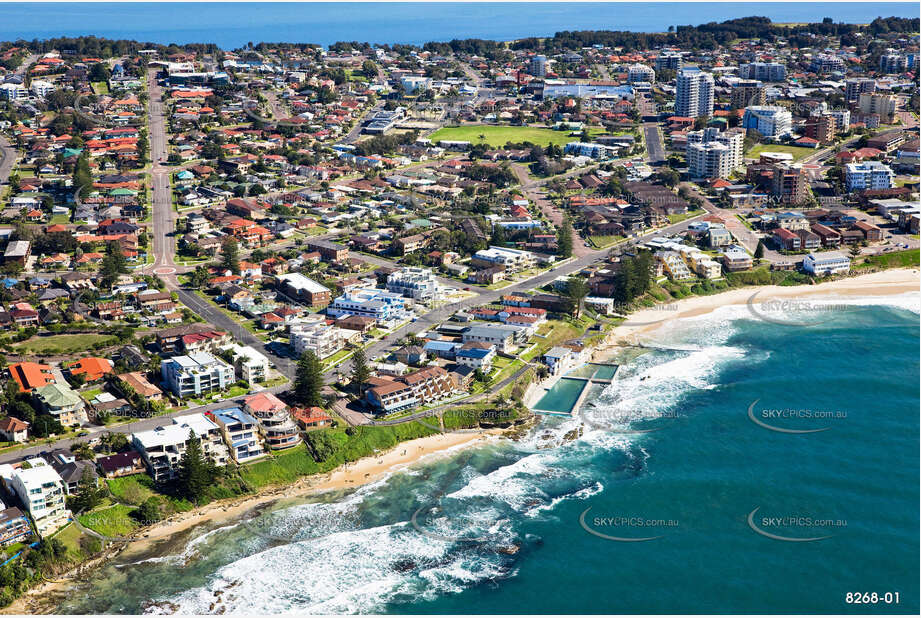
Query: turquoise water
(562, 396)
(497, 528)
(232, 25)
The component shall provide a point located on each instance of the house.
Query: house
(29, 375)
(13, 429)
(499, 336)
(73, 471)
(162, 448)
(476, 357)
(120, 464)
(559, 359)
(169, 340)
(139, 384)
(241, 432)
(311, 418)
(92, 368)
(278, 429)
(410, 354)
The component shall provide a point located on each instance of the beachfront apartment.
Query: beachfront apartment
(736, 258)
(162, 448)
(501, 337)
(278, 428)
(416, 388)
(476, 357)
(826, 263)
(251, 365)
(514, 260)
(196, 374)
(41, 490)
(14, 527)
(241, 432)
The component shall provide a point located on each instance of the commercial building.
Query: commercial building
(868, 175)
(768, 120)
(241, 432)
(416, 283)
(304, 289)
(41, 490)
(513, 260)
(826, 263)
(162, 448)
(693, 93)
(195, 374)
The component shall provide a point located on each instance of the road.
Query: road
(7, 161)
(655, 150)
(164, 243)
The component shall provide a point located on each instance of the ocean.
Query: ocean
(743, 466)
(233, 25)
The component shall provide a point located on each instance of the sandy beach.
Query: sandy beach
(647, 321)
(349, 476)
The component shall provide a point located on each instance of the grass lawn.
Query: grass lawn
(113, 521)
(70, 535)
(687, 215)
(896, 259)
(605, 241)
(134, 489)
(798, 152)
(497, 136)
(556, 331)
(90, 394)
(100, 87)
(332, 359)
(62, 344)
(62, 219)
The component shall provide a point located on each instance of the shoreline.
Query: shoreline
(647, 321)
(371, 469)
(348, 476)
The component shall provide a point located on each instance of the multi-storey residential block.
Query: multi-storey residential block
(14, 527)
(416, 283)
(513, 260)
(693, 93)
(162, 448)
(196, 374)
(251, 365)
(768, 120)
(278, 428)
(370, 302)
(416, 388)
(747, 93)
(826, 263)
(670, 60)
(320, 338)
(764, 71)
(42, 491)
(640, 73)
(304, 289)
(884, 105)
(853, 88)
(868, 175)
(61, 402)
(241, 432)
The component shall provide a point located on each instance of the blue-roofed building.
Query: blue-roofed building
(442, 349)
(476, 358)
(241, 432)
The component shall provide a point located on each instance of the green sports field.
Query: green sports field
(497, 136)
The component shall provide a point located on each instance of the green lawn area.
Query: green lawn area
(100, 87)
(70, 535)
(134, 489)
(798, 152)
(497, 136)
(332, 359)
(896, 259)
(63, 344)
(113, 521)
(604, 241)
(687, 215)
(62, 219)
(557, 331)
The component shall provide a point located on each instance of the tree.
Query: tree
(230, 255)
(99, 73)
(577, 289)
(564, 239)
(83, 178)
(113, 264)
(759, 250)
(195, 472)
(308, 383)
(89, 495)
(149, 512)
(83, 451)
(360, 371)
(199, 277)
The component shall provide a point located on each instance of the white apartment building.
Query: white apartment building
(842, 118)
(514, 260)
(855, 87)
(41, 88)
(826, 263)
(693, 93)
(41, 489)
(13, 92)
(163, 447)
(416, 283)
(251, 365)
(868, 175)
(320, 338)
(768, 120)
(640, 73)
(707, 160)
(196, 374)
(763, 71)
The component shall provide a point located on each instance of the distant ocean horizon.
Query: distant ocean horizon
(233, 25)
